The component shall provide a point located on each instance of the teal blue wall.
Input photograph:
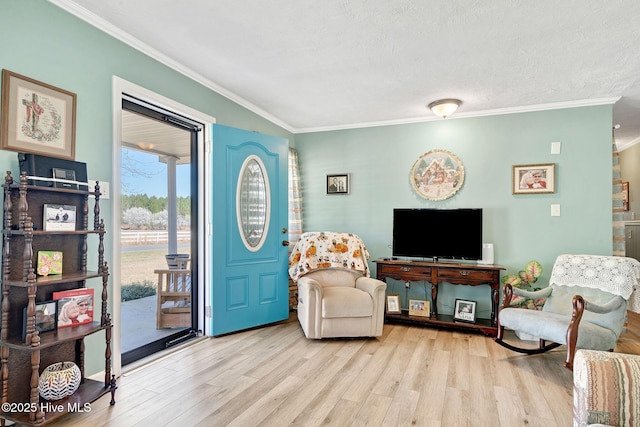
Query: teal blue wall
(41, 41)
(520, 226)
(63, 51)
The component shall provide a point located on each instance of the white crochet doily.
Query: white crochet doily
(617, 275)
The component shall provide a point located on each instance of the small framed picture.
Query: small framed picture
(59, 218)
(419, 308)
(464, 311)
(338, 184)
(393, 304)
(533, 179)
(46, 317)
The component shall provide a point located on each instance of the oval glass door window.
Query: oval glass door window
(253, 203)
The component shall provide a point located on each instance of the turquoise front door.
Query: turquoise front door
(249, 261)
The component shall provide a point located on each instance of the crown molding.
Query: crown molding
(463, 115)
(623, 146)
(129, 40)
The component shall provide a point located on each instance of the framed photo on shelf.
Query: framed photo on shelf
(46, 317)
(533, 179)
(464, 311)
(75, 307)
(338, 184)
(37, 117)
(59, 218)
(393, 304)
(419, 308)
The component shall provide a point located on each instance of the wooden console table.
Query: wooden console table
(436, 273)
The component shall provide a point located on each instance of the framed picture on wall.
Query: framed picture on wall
(37, 118)
(625, 195)
(532, 179)
(338, 184)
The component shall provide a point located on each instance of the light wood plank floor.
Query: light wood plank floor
(410, 376)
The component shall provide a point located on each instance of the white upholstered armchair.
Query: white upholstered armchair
(336, 298)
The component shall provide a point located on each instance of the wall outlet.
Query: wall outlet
(104, 188)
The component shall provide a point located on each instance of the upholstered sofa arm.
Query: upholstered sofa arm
(370, 285)
(606, 388)
(510, 291)
(377, 289)
(610, 306)
(310, 306)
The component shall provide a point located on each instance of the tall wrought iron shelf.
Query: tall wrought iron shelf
(22, 361)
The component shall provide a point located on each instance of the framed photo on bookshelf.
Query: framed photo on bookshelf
(59, 218)
(46, 317)
(75, 307)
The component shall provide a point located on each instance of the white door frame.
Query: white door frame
(121, 86)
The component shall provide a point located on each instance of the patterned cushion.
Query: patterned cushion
(606, 389)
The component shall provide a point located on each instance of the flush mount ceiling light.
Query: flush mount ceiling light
(444, 107)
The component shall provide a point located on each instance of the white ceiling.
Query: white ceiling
(318, 65)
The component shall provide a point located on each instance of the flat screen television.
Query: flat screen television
(438, 233)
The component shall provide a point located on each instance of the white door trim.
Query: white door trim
(121, 86)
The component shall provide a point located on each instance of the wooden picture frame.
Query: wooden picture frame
(625, 195)
(37, 117)
(393, 304)
(464, 311)
(338, 184)
(533, 179)
(420, 308)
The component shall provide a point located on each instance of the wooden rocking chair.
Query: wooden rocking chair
(585, 305)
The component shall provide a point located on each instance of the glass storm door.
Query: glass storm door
(249, 207)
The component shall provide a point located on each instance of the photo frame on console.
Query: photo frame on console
(393, 304)
(419, 308)
(464, 311)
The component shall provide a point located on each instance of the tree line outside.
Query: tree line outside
(143, 212)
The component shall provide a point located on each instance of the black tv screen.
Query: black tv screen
(438, 233)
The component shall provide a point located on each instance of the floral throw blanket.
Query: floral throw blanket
(327, 249)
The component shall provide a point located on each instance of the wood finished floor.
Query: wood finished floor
(411, 376)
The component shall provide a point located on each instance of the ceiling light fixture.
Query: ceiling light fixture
(444, 107)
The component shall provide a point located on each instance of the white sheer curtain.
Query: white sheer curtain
(295, 199)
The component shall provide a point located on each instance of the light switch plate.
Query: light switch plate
(555, 210)
(555, 148)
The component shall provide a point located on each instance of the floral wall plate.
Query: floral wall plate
(437, 175)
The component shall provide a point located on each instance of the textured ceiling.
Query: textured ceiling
(315, 65)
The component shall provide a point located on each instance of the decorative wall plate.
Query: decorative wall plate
(437, 175)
